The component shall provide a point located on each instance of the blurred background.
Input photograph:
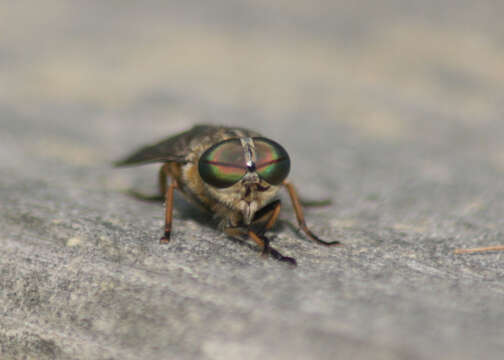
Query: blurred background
(382, 69)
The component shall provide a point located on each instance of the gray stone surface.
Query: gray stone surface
(393, 110)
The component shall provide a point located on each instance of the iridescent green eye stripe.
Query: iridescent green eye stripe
(269, 170)
(226, 173)
(223, 164)
(220, 163)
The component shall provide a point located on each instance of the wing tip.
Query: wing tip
(129, 161)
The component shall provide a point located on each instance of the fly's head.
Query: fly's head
(244, 173)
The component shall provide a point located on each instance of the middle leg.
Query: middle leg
(168, 195)
(300, 216)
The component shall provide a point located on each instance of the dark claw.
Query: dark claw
(166, 238)
(276, 255)
(320, 241)
(268, 250)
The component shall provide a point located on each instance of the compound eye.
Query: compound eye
(223, 164)
(272, 163)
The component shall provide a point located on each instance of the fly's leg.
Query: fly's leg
(274, 216)
(261, 240)
(168, 212)
(162, 179)
(300, 217)
(267, 216)
(168, 195)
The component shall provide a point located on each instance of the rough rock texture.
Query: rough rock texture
(394, 110)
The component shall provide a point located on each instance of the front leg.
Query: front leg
(267, 216)
(261, 240)
(300, 217)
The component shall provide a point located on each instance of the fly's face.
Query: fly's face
(244, 173)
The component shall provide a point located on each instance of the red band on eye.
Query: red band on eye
(264, 164)
(219, 163)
